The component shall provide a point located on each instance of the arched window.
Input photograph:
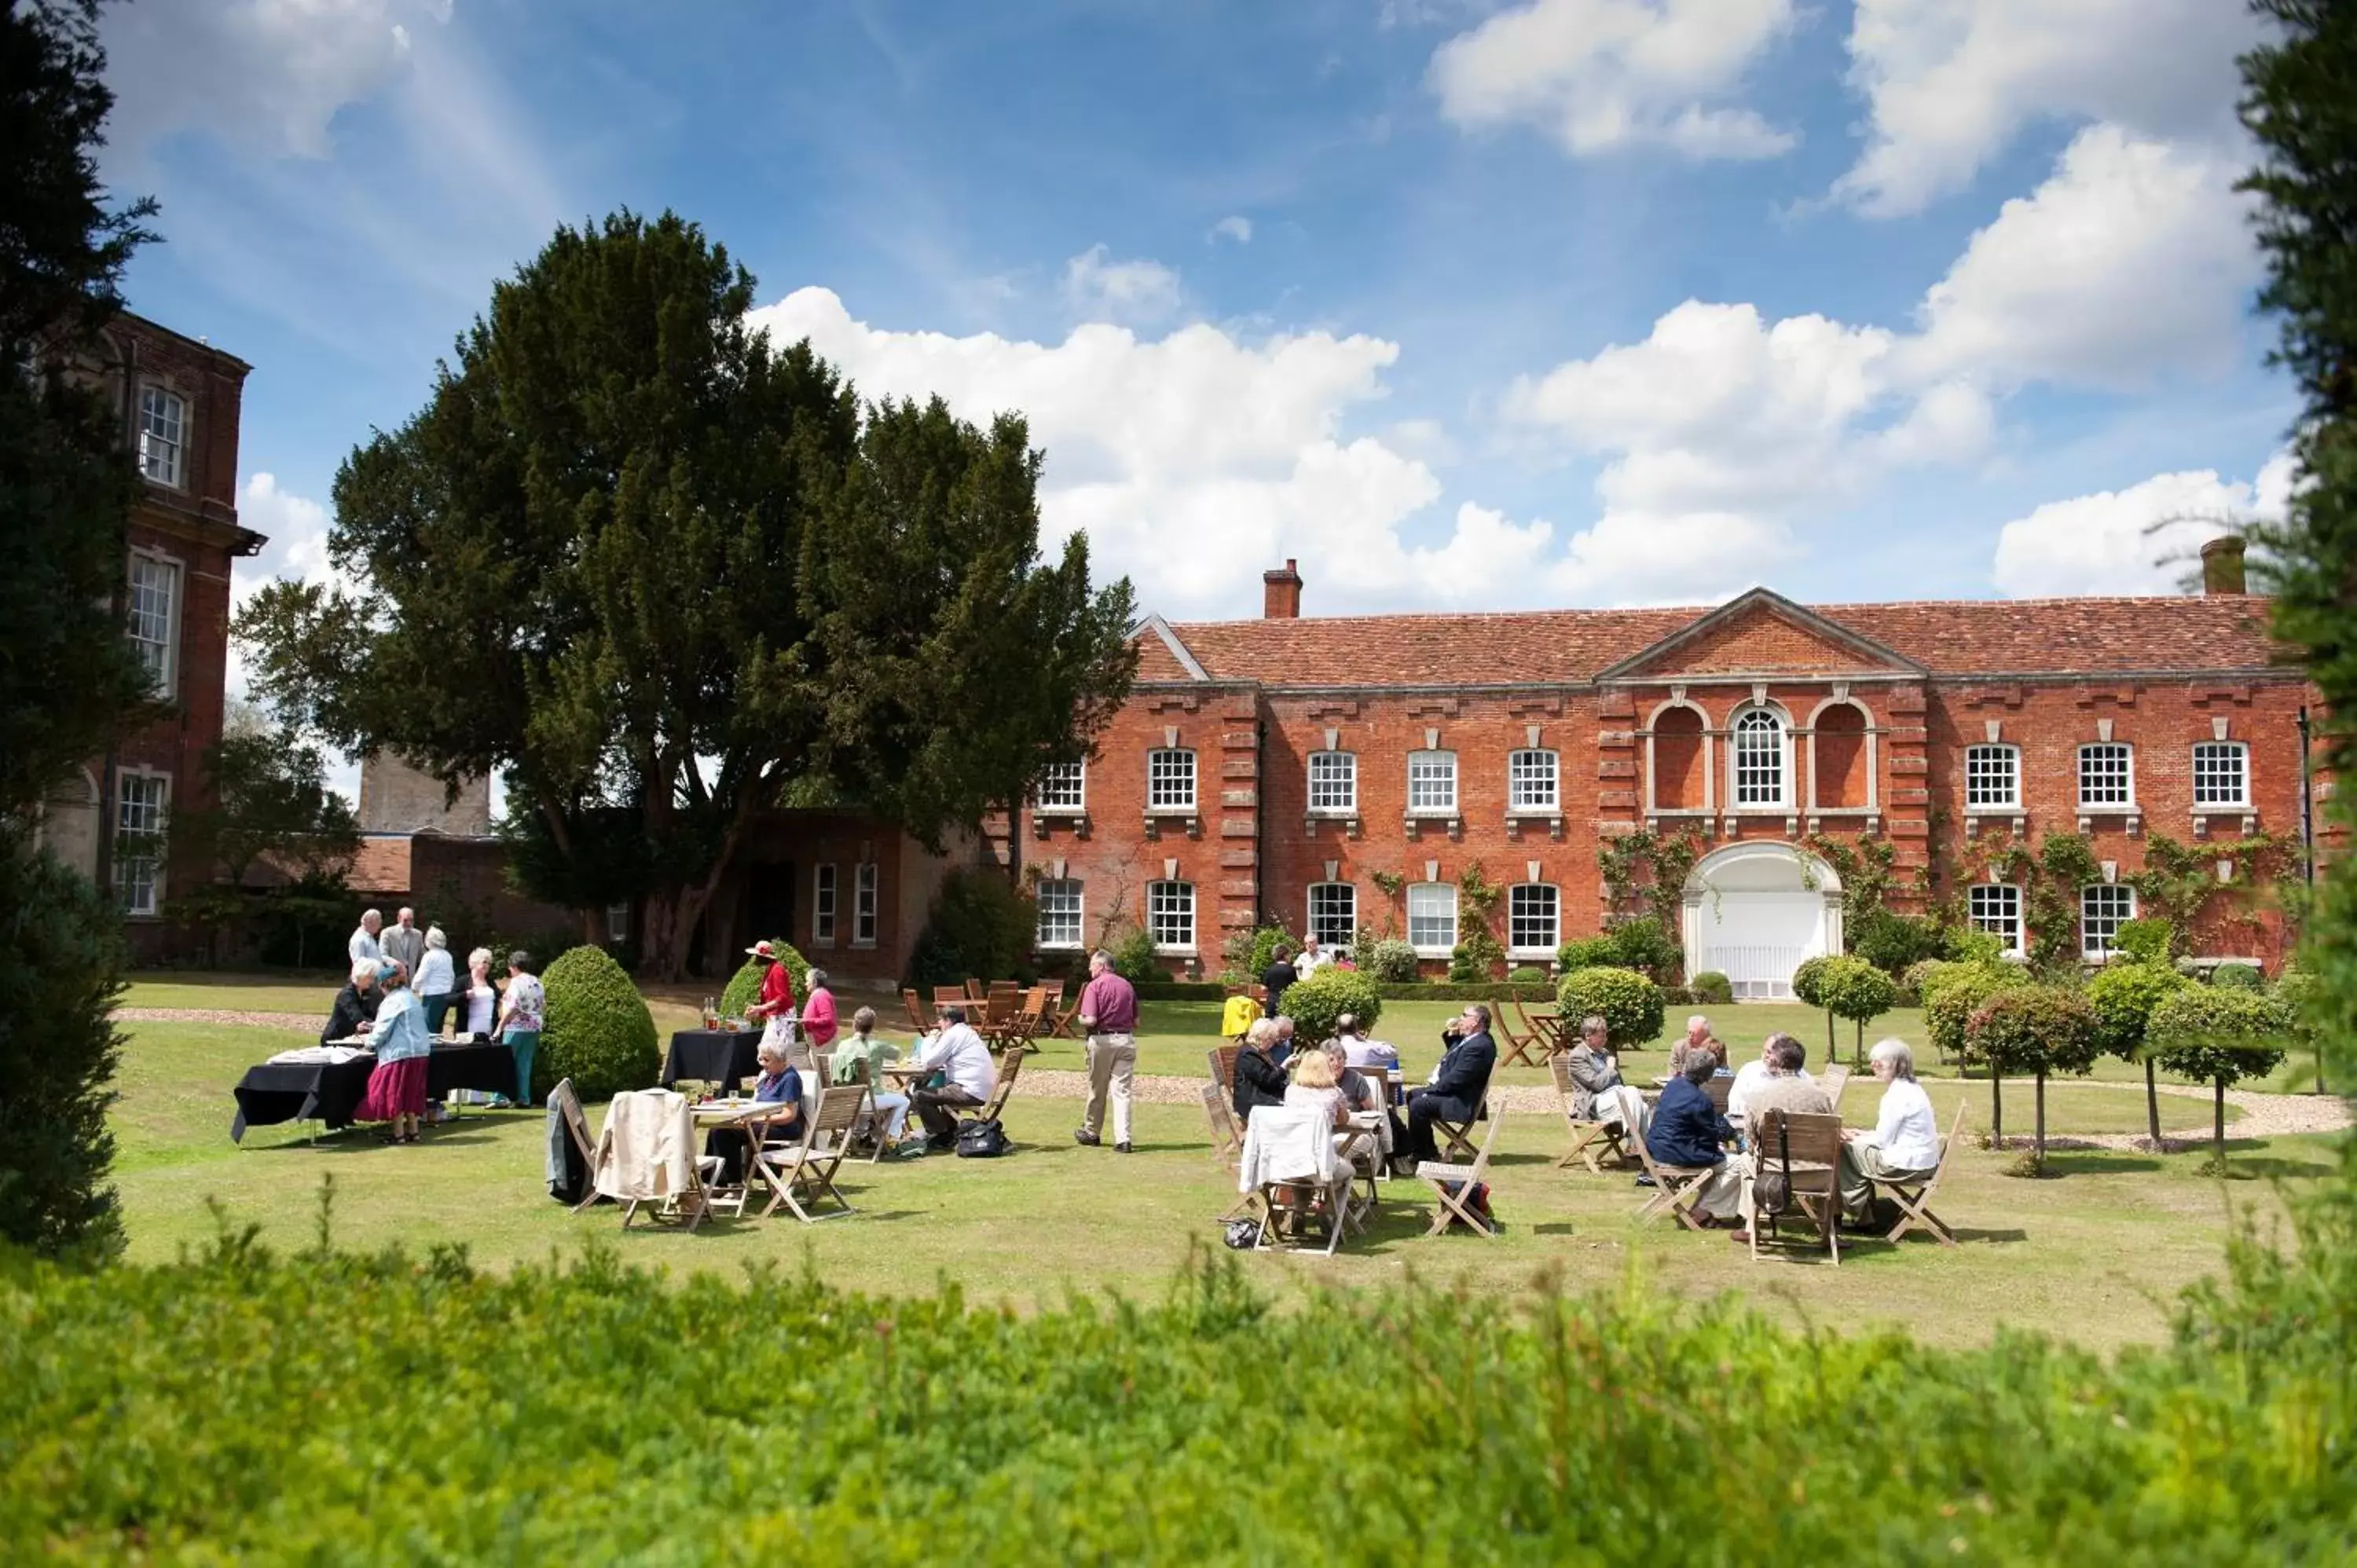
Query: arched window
(1759, 759)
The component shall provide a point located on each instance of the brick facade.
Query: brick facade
(1870, 712)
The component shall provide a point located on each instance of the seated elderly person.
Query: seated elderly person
(1360, 1051)
(862, 1049)
(1316, 1082)
(1905, 1141)
(958, 1057)
(354, 1013)
(1260, 1072)
(1596, 1093)
(1786, 1087)
(1752, 1074)
(1458, 1084)
(779, 1084)
(1686, 1129)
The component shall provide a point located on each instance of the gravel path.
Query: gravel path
(2263, 1115)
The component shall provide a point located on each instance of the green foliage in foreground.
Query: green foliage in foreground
(330, 1406)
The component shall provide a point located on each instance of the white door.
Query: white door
(1758, 938)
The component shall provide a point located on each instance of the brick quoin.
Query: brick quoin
(1880, 702)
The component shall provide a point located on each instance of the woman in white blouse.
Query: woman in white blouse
(435, 981)
(1905, 1141)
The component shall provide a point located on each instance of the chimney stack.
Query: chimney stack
(1282, 589)
(2221, 565)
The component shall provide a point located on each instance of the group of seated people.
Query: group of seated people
(1352, 1073)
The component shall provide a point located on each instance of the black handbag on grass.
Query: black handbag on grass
(981, 1140)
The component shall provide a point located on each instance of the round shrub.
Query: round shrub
(1528, 974)
(1949, 1008)
(2035, 1029)
(1314, 1004)
(1645, 945)
(1918, 976)
(1712, 988)
(1805, 979)
(1392, 961)
(2221, 1036)
(2123, 996)
(2237, 977)
(598, 1034)
(1851, 988)
(1133, 958)
(744, 987)
(1630, 1004)
(1589, 952)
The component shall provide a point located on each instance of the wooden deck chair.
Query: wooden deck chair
(1064, 1019)
(805, 1171)
(1675, 1188)
(1223, 1068)
(1326, 1200)
(1457, 1137)
(1544, 1023)
(1004, 999)
(639, 1122)
(921, 1012)
(1464, 1177)
(1519, 1042)
(1719, 1088)
(1009, 1065)
(1835, 1082)
(1805, 1148)
(975, 991)
(576, 1127)
(1227, 1140)
(952, 996)
(1913, 1195)
(1586, 1132)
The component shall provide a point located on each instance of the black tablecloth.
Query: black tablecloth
(328, 1092)
(712, 1056)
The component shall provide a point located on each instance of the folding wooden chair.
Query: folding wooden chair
(1464, 1177)
(576, 1127)
(1675, 1188)
(1546, 1024)
(1586, 1132)
(975, 991)
(654, 1115)
(1835, 1082)
(1223, 1069)
(806, 1170)
(1004, 999)
(1009, 1065)
(952, 996)
(1914, 1194)
(921, 1012)
(1804, 1147)
(1226, 1140)
(1521, 1042)
(1718, 1088)
(1300, 1197)
(1457, 1137)
(1064, 1025)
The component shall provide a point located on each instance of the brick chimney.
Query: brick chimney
(2221, 567)
(1282, 589)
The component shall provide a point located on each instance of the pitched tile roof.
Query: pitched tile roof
(1954, 637)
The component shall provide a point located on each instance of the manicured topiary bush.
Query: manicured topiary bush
(1392, 961)
(744, 987)
(1630, 1004)
(2220, 1037)
(1712, 988)
(2036, 1029)
(1314, 1004)
(598, 1034)
(1849, 987)
(2237, 977)
(1526, 975)
(1589, 952)
(1955, 995)
(2123, 996)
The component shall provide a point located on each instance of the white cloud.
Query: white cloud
(1098, 288)
(1234, 226)
(297, 529)
(1602, 74)
(2129, 263)
(2140, 539)
(1949, 85)
(264, 75)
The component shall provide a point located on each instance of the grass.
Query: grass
(2093, 1255)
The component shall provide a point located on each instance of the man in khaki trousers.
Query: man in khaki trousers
(1109, 1014)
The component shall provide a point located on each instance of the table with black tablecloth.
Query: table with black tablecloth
(328, 1092)
(712, 1055)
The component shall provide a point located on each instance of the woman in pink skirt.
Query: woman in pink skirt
(396, 1090)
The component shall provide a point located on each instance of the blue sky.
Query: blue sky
(1467, 306)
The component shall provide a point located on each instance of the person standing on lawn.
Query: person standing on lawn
(363, 945)
(523, 1012)
(775, 1007)
(396, 1088)
(1279, 974)
(404, 944)
(1109, 1016)
(437, 980)
(482, 997)
(818, 1020)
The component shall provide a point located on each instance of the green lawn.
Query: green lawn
(2093, 1253)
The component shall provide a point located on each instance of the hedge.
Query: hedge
(1417, 990)
(1316, 1003)
(599, 1031)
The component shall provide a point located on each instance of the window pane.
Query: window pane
(1060, 913)
(1992, 776)
(138, 817)
(1170, 779)
(822, 904)
(1759, 759)
(1531, 781)
(863, 903)
(2105, 778)
(2102, 908)
(1333, 913)
(1432, 915)
(1996, 909)
(162, 428)
(2218, 778)
(1431, 780)
(1170, 913)
(1531, 918)
(1333, 781)
(1062, 787)
(154, 586)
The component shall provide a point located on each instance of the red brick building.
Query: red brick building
(1288, 768)
(178, 399)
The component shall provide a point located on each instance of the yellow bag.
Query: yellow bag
(1239, 1015)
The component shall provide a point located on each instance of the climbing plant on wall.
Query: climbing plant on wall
(1867, 868)
(2179, 882)
(2050, 878)
(1645, 872)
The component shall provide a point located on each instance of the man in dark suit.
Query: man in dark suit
(1455, 1093)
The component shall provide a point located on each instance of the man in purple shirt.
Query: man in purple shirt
(1109, 1014)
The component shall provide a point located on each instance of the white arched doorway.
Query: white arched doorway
(1754, 911)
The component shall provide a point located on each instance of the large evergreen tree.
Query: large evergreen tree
(69, 679)
(669, 576)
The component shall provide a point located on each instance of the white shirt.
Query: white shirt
(960, 1052)
(1306, 963)
(434, 975)
(1907, 1132)
(1369, 1053)
(1747, 1079)
(363, 945)
(479, 1002)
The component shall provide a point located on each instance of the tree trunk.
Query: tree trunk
(2039, 1158)
(2152, 1103)
(1833, 1047)
(1997, 1107)
(2218, 1124)
(672, 914)
(1858, 1055)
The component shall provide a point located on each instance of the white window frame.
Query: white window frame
(1071, 793)
(1439, 770)
(1163, 777)
(1523, 773)
(2089, 945)
(2241, 752)
(1048, 899)
(1429, 949)
(1996, 907)
(1525, 892)
(825, 903)
(1341, 785)
(617, 920)
(163, 435)
(1320, 924)
(1170, 916)
(139, 878)
(866, 902)
(1992, 749)
(1736, 728)
(161, 655)
(2128, 776)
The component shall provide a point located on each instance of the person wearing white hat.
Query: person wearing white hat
(776, 1006)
